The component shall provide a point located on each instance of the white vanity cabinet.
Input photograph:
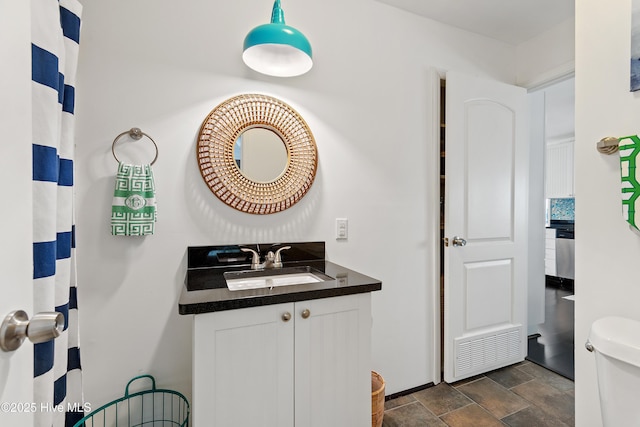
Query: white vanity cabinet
(259, 367)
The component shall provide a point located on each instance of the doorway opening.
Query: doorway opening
(551, 344)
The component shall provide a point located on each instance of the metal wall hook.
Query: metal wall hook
(16, 326)
(608, 145)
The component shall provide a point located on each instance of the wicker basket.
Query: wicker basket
(377, 399)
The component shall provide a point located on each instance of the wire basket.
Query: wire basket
(152, 408)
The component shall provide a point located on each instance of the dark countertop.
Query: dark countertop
(564, 228)
(209, 291)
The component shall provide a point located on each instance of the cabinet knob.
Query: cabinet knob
(305, 313)
(286, 316)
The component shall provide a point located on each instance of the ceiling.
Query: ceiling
(511, 21)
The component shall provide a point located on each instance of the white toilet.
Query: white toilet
(616, 343)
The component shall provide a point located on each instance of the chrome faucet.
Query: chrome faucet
(255, 260)
(277, 260)
(271, 260)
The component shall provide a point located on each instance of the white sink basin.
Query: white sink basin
(239, 281)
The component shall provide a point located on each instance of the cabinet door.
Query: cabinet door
(559, 170)
(550, 252)
(332, 362)
(243, 368)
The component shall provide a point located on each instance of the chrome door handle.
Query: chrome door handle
(16, 326)
(459, 241)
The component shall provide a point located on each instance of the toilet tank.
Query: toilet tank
(616, 342)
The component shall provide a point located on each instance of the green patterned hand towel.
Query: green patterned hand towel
(629, 148)
(134, 201)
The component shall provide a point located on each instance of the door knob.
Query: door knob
(16, 326)
(286, 316)
(305, 313)
(459, 241)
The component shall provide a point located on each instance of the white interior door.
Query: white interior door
(486, 193)
(16, 368)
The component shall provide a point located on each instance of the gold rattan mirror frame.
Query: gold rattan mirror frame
(216, 140)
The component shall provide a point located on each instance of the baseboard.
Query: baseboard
(409, 391)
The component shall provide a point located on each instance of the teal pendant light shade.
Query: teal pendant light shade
(277, 49)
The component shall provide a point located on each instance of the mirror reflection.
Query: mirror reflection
(260, 154)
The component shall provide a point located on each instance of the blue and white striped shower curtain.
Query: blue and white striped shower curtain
(55, 41)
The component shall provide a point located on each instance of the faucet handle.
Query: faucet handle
(277, 262)
(255, 260)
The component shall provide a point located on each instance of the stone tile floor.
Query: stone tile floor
(522, 395)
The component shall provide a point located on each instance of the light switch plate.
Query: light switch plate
(342, 228)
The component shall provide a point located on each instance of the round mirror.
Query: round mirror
(260, 154)
(293, 155)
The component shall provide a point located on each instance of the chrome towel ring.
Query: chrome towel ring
(137, 134)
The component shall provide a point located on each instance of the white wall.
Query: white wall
(162, 66)
(607, 251)
(547, 56)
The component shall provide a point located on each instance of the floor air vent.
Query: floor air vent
(480, 353)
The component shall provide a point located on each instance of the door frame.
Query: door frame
(16, 368)
(433, 162)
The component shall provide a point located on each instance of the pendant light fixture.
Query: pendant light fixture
(277, 49)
